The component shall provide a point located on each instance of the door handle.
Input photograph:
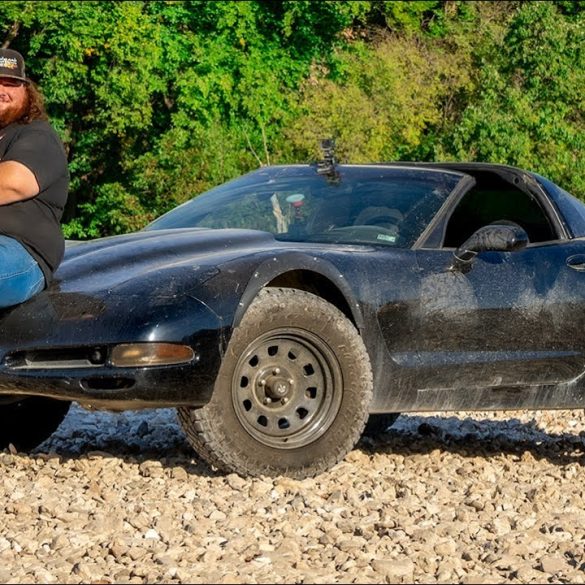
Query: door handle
(577, 262)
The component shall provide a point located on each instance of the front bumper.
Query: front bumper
(61, 326)
(115, 388)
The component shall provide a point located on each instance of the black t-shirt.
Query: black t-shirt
(35, 222)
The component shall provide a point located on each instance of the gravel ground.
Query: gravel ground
(464, 498)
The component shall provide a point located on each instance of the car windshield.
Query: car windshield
(361, 204)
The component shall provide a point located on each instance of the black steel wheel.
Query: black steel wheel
(293, 391)
(27, 421)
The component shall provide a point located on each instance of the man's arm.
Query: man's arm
(17, 182)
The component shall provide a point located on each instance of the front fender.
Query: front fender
(278, 266)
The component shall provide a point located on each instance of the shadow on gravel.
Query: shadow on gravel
(469, 437)
(155, 436)
(135, 437)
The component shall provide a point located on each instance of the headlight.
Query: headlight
(129, 355)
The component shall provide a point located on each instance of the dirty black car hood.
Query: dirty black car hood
(132, 284)
(107, 264)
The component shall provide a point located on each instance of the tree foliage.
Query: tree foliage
(382, 102)
(528, 103)
(158, 101)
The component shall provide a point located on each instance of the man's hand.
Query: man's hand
(17, 182)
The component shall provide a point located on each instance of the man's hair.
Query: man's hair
(35, 108)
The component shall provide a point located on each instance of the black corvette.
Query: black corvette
(284, 310)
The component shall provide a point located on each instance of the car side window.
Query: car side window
(572, 208)
(485, 204)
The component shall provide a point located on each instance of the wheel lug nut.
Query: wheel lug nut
(267, 400)
(284, 400)
(262, 383)
(291, 381)
(276, 371)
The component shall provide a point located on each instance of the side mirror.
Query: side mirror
(490, 238)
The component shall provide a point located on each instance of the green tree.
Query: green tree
(158, 101)
(96, 63)
(389, 89)
(527, 108)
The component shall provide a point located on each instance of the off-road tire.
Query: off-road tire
(28, 421)
(378, 423)
(293, 344)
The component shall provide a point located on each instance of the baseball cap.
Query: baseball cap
(12, 65)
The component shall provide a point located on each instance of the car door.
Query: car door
(513, 319)
(516, 318)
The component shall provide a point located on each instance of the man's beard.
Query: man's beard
(13, 113)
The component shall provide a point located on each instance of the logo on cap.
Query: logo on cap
(8, 62)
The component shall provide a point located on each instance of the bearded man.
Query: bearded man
(34, 183)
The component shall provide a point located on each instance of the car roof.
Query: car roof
(447, 166)
(465, 166)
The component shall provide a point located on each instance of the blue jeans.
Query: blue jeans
(20, 275)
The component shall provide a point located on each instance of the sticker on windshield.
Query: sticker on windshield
(386, 238)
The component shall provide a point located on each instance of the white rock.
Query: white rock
(151, 534)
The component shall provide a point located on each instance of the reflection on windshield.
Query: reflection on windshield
(370, 204)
